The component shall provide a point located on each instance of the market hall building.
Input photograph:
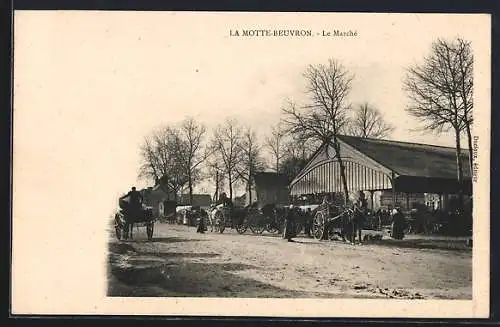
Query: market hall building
(390, 173)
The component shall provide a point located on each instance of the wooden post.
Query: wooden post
(393, 183)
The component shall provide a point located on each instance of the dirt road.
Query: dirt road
(181, 262)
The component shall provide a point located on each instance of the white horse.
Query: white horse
(217, 216)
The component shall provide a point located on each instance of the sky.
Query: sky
(90, 85)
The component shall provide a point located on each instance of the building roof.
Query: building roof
(202, 200)
(412, 159)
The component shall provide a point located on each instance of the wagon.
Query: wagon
(330, 221)
(221, 217)
(125, 220)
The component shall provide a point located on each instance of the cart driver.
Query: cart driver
(225, 201)
(135, 203)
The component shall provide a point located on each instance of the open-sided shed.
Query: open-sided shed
(376, 165)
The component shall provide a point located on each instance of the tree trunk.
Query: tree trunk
(216, 195)
(459, 169)
(469, 141)
(249, 192)
(336, 146)
(230, 179)
(190, 185)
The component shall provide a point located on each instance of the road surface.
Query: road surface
(181, 262)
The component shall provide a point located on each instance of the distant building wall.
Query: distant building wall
(406, 201)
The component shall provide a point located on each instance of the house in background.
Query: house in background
(201, 200)
(161, 198)
(269, 188)
(240, 201)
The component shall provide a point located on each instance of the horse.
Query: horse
(344, 225)
(215, 215)
(125, 220)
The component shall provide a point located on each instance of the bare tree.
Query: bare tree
(251, 161)
(463, 51)
(215, 172)
(368, 121)
(299, 147)
(191, 151)
(292, 166)
(325, 115)
(226, 145)
(160, 158)
(440, 92)
(275, 143)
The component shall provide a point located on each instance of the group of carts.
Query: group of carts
(322, 222)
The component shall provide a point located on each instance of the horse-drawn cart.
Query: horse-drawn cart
(126, 219)
(330, 221)
(221, 216)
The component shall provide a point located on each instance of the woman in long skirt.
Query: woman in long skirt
(289, 230)
(397, 231)
(201, 223)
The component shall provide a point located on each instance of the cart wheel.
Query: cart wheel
(241, 228)
(318, 227)
(150, 229)
(270, 228)
(256, 229)
(255, 223)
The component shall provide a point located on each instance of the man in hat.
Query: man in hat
(135, 201)
(225, 201)
(133, 208)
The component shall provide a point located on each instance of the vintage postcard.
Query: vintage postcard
(251, 164)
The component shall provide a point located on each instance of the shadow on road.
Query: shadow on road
(167, 255)
(193, 279)
(141, 239)
(449, 245)
(170, 275)
(170, 240)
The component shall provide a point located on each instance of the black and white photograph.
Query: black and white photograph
(289, 164)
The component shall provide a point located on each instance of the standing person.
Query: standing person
(308, 222)
(397, 224)
(201, 222)
(289, 230)
(359, 216)
(327, 206)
